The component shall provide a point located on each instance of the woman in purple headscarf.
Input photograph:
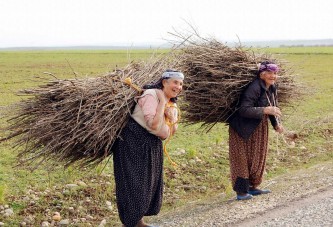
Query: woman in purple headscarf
(248, 132)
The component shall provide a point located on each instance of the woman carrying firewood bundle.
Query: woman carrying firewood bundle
(138, 152)
(248, 132)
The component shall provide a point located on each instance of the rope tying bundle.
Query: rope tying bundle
(128, 81)
(170, 125)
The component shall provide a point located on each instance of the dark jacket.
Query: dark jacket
(250, 109)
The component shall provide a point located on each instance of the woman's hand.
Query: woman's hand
(279, 128)
(273, 110)
(169, 113)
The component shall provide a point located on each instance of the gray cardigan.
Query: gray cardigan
(250, 109)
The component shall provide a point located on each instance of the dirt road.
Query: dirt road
(297, 198)
(315, 210)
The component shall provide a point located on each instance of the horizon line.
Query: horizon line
(165, 45)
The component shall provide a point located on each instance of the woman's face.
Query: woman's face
(172, 87)
(269, 77)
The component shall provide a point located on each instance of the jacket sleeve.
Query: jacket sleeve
(249, 101)
(273, 120)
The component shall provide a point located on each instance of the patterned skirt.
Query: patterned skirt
(248, 157)
(138, 170)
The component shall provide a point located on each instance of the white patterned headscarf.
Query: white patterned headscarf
(172, 74)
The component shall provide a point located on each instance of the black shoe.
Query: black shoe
(244, 197)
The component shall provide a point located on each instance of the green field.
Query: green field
(202, 157)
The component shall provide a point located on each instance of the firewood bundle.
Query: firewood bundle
(76, 121)
(216, 75)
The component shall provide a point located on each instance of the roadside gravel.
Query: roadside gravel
(316, 210)
(287, 191)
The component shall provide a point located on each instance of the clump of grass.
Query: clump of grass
(2, 193)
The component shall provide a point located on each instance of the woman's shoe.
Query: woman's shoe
(259, 191)
(244, 197)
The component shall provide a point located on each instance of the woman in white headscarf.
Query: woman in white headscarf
(138, 152)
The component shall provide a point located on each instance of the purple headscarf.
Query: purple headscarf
(268, 66)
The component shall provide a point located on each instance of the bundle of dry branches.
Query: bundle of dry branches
(77, 120)
(216, 74)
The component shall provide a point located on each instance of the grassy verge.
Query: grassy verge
(87, 196)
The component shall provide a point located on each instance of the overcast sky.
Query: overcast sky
(132, 22)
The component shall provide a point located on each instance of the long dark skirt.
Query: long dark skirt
(248, 157)
(138, 170)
